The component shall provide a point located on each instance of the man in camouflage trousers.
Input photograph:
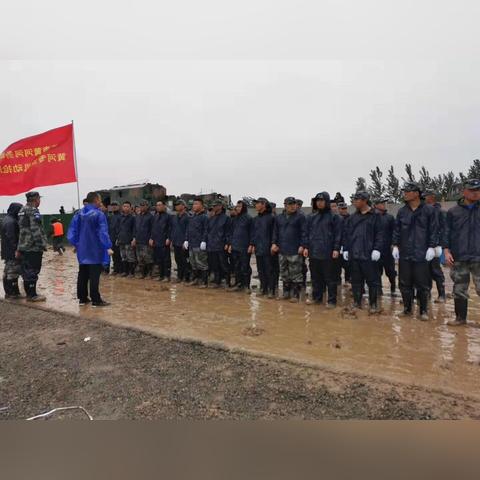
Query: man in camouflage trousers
(462, 247)
(289, 240)
(9, 241)
(31, 245)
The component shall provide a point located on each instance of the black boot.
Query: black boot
(357, 296)
(461, 310)
(295, 293)
(286, 291)
(7, 286)
(441, 293)
(15, 290)
(203, 283)
(32, 296)
(372, 299)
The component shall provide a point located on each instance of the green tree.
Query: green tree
(393, 186)
(474, 170)
(425, 179)
(409, 172)
(377, 188)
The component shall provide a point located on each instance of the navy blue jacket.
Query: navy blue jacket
(114, 220)
(363, 234)
(415, 232)
(88, 233)
(241, 232)
(387, 225)
(324, 233)
(218, 231)
(161, 227)
(126, 229)
(442, 219)
(10, 232)
(463, 232)
(143, 228)
(290, 232)
(197, 229)
(179, 227)
(262, 233)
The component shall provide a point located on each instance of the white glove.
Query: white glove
(430, 255)
(396, 253)
(345, 256)
(203, 246)
(438, 251)
(376, 255)
(185, 245)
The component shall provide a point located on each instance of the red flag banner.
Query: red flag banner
(38, 161)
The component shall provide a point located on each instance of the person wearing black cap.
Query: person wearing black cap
(362, 246)
(9, 232)
(196, 244)
(141, 239)
(126, 232)
(275, 258)
(436, 272)
(240, 247)
(261, 244)
(343, 212)
(114, 219)
(218, 231)
(324, 236)
(415, 237)
(160, 241)
(289, 240)
(386, 262)
(31, 245)
(178, 236)
(462, 247)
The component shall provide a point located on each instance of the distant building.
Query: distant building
(152, 192)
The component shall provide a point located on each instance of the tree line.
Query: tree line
(447, 185)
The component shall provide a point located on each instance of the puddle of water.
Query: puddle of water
(407, 350)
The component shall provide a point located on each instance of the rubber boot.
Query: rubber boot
(441, 293)
(393, 289)
(32, 296)
(286, 290)
(407, 303)
(203, 283)
(195, 279)
(423, 301)
(15, 290)
(461, 310)
(125, 269)
(295, 290)
(131, 269)
(7, 286)
(357, 297)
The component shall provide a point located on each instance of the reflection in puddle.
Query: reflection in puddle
(427, 353)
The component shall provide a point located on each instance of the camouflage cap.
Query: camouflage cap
(361, 195)
(290, 201)
(412, 187)
(472, 184)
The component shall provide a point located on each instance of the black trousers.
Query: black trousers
(266, 273)
(218, 265)
(183, 264)
(336, 269)
(89, 279)
(31, 265)
(276, 271)
(323, 278)
(162, 258)
(414, 276)
(437, 276)
(346, 269)
(387, 264)
(364, 271)
(243, 271)
(116, 259)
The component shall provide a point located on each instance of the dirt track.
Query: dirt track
(120, 373)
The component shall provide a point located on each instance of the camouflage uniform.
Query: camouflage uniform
(32, 243)
(198, 259)
(291, 268)
(460, 274)
(12, 269)
(127, 253)
(144, 255)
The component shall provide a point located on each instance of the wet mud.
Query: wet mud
(429, 354)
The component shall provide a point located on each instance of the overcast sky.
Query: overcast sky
(266, 98)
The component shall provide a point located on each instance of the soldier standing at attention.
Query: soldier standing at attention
(31, 245)
(462, 247)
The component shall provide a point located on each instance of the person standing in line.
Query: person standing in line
(362, 248)
(436, 272)
(196, 244)
(415, 237)
(462, 247)
(343, 212)
(126, 232)
(324, 236)
(9, 241)
(386, 263)
(160, 241)
(141, 239)
(114, 220)
(289, 239)
(31, 245)
(88, 233)
(179, 225)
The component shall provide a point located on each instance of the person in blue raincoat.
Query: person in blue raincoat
(88, 233)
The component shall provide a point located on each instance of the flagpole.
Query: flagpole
(76, 167)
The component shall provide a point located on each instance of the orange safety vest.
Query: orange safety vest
(57, 229)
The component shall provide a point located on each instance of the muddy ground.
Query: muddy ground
(126, 374)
